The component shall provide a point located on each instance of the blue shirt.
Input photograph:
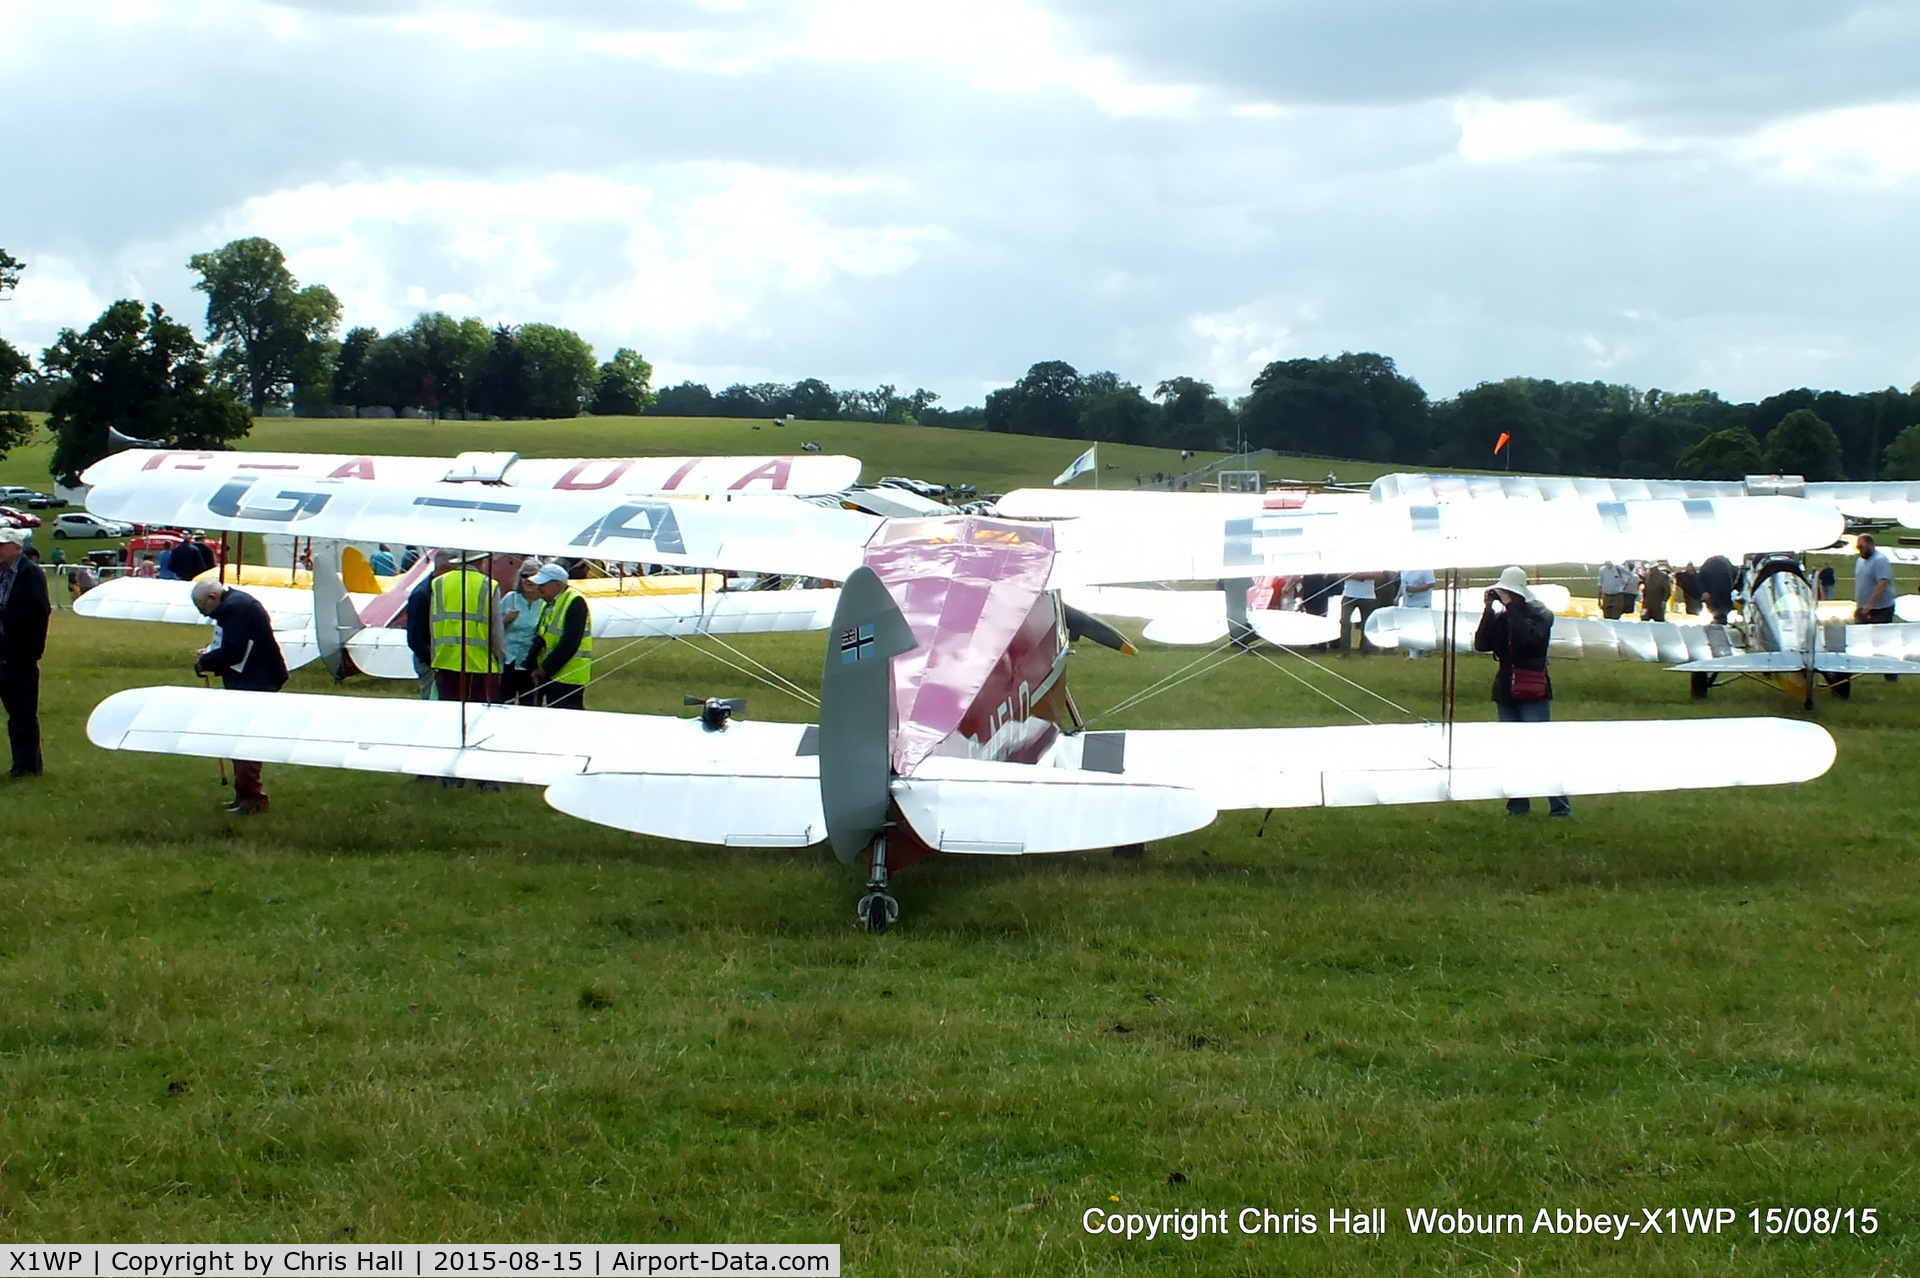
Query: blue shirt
(521, 630)
(1868, 571)
(381, 561)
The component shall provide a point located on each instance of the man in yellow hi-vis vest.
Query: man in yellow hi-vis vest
(565, 643)
(467, 636)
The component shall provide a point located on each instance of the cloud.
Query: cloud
(940, 194)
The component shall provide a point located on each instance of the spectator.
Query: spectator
(1823, 582)
(1716, 587)
(1656, 583)
(1416, 591)
(1688, 579)
(246, 656)
(24, 611)
(409, 558)
(146, 567)
(382, 562)
(1357, 600)
(420, 623)
(1316, 590)
(1872, 587)
(165, 571)
(1616, 591)
(521, 610)
(566, 641)
(190, 559)
(1516, 628)
(467, 642)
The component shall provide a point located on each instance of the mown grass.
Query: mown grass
(392, 1011)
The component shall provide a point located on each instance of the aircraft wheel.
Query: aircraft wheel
(1701, 682)
(1842, 688)
(879, 911)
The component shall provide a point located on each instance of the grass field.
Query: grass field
(393, 1011)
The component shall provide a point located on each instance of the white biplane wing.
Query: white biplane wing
(1112, 549)
(1356, 766)
(1898, 500)
(1574, 638)
(802, 475)
(758, 783)
(765, 534)
(1200, 616)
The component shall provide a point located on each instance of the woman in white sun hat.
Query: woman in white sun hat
(1516, 628)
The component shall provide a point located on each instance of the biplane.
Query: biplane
(1777, 637)
(945, 723)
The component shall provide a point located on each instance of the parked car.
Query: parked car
(14, 517)
(13, 494)
(40, 501)
(81, 524)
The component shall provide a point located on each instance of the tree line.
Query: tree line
(271, 343)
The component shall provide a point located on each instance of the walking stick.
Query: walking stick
(222, 762)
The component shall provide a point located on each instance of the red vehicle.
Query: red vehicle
(154, 540)
(13, 518)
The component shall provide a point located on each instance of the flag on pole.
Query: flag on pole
(1500, 443)
(1081, 465)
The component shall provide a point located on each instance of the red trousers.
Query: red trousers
(247, 787)
(467, 685)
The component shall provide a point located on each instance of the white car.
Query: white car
(81, 524)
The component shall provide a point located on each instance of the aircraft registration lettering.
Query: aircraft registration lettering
(455, 503)
(158, 460)
(776, 471)
(572, 481)
(227, 502)
(358, 468)
(648, 521)
(1244, 535)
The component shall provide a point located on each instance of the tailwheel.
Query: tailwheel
(878, 911)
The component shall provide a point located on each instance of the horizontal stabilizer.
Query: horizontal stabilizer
(1748, 663)
(152, 599)
(1855, 663)
(1010, 809)
(1285, 629)
(383, 654)
(730, 810)
(1352, 766)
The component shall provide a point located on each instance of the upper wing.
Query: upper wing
(735, 612)
(806, 474)
(1898, 500)
(768, 534)
(1111, 549)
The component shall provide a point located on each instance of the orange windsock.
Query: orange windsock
(1501, 442)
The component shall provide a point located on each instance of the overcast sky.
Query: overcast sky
(1669, 193)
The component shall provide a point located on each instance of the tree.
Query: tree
(1726, 454)
(141, 373)
(1350, 405)
(503, 388)
(812, 400)
(1121, 415)
(1902, 459)
(625, 386)
(560, 370)
(1466, 428)
(1803, 444)
(350, 365)
(1044, 402)
(15, 428)
(265, 322)
(687, 399)
(1193, 416)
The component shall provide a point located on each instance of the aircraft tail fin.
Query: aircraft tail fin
(357, 571)
(856, 711)
(335, 619)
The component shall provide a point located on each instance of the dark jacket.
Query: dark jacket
(23, 622)
(1716, 586)
(1516, 641)
(420, 621)
(245, 655)
(189, 560)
